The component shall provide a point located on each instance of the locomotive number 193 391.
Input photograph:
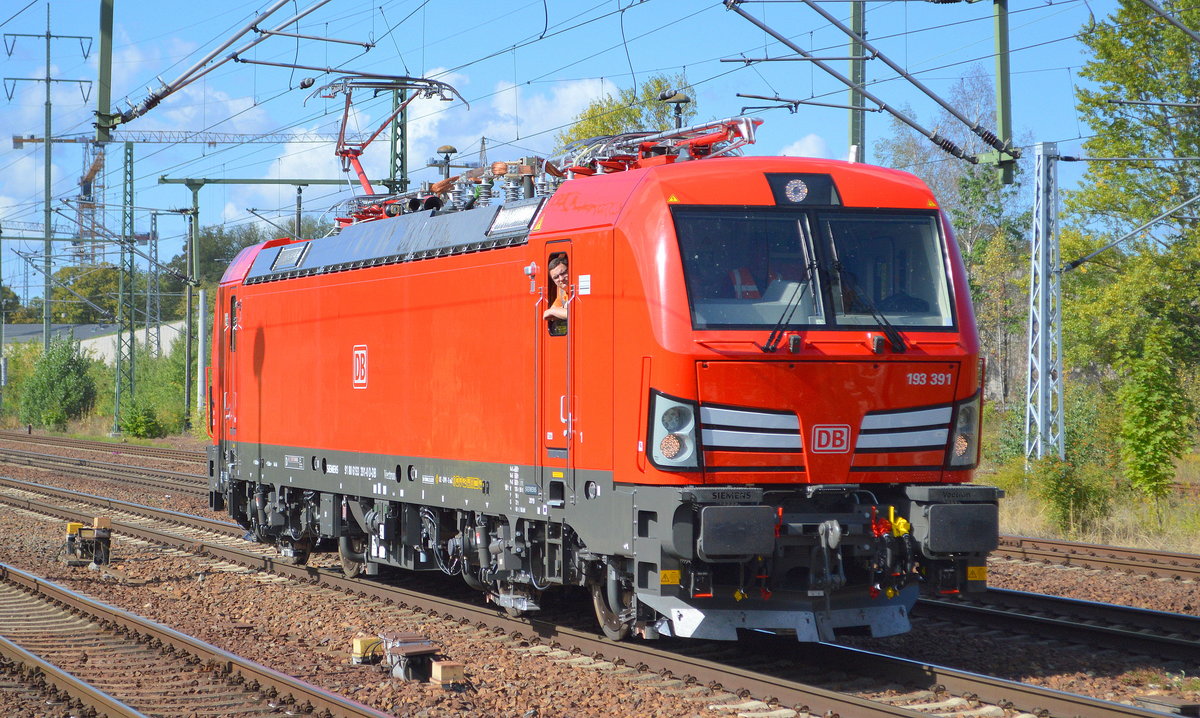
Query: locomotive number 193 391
(923, 379)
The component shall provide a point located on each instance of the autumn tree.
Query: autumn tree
(630, 110)
(990, 221)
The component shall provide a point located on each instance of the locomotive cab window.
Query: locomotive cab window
(751, 268)
(748, 268)
(558, 294)
(887, 264)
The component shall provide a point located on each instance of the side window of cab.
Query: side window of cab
(558, 294)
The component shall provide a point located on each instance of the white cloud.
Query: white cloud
(231, 212)
(540, 116)
(810, 145)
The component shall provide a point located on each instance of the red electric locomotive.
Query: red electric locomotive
(722, 392)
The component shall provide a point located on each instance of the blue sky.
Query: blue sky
(525, 67)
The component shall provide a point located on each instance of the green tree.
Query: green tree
(85, 294)
(1149, 279)
(1139, 57)
(30, 313)
(1131, 312)
(631, 110)
(159, 381)
(9, 302)
(1077, 496)
(60, 388)
(1159, 420)
(22, 359)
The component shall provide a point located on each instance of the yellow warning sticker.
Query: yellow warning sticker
(976, 573)
(537, 225)
(669, 578)
(556, 474)
(672, 198)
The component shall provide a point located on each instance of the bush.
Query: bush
(159, 382)
(61, 387)
(1009, 476)
(142, 422)
(1006, 441)
(1077, 496)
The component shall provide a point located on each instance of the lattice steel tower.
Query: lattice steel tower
(1044, 389)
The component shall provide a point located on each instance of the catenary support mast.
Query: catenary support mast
(1044, 389)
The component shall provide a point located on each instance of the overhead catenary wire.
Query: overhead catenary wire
(529, 81)
(945, 143)
(543, 33)
(987, 136)
(1131, 233)
(385, 34)
(698, 83)
(195, 72)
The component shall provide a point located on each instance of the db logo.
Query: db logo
(831, 439)
(360, 366)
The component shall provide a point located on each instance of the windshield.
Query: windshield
(744, 267)
(894, 263)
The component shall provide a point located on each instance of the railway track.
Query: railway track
(1160, 564)
(107, 447)
(158, 479)
(1096, 625)
(1065, 624)
(777, 669)
(119, 664)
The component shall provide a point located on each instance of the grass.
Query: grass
(1187, 471)
(1169, 524)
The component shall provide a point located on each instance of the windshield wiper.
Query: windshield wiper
(893, 335)
(785, 317)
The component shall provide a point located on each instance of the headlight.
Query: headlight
(677, 418)
(963, 451)
(672, 440)
(672, 446)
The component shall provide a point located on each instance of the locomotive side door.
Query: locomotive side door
(557, 402)
(229, 383)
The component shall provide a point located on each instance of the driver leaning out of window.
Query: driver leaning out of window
(562, 279)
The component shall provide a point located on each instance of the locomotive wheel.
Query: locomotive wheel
(610, 620)
(358, 547)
